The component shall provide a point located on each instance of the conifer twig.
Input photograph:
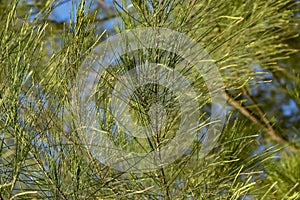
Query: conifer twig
(262, 121)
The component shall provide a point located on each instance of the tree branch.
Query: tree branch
(262, 121)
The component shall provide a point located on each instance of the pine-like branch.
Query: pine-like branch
(260, 120)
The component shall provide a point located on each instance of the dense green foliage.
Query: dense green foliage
(254, 44)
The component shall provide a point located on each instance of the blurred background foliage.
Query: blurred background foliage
(255, 45)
